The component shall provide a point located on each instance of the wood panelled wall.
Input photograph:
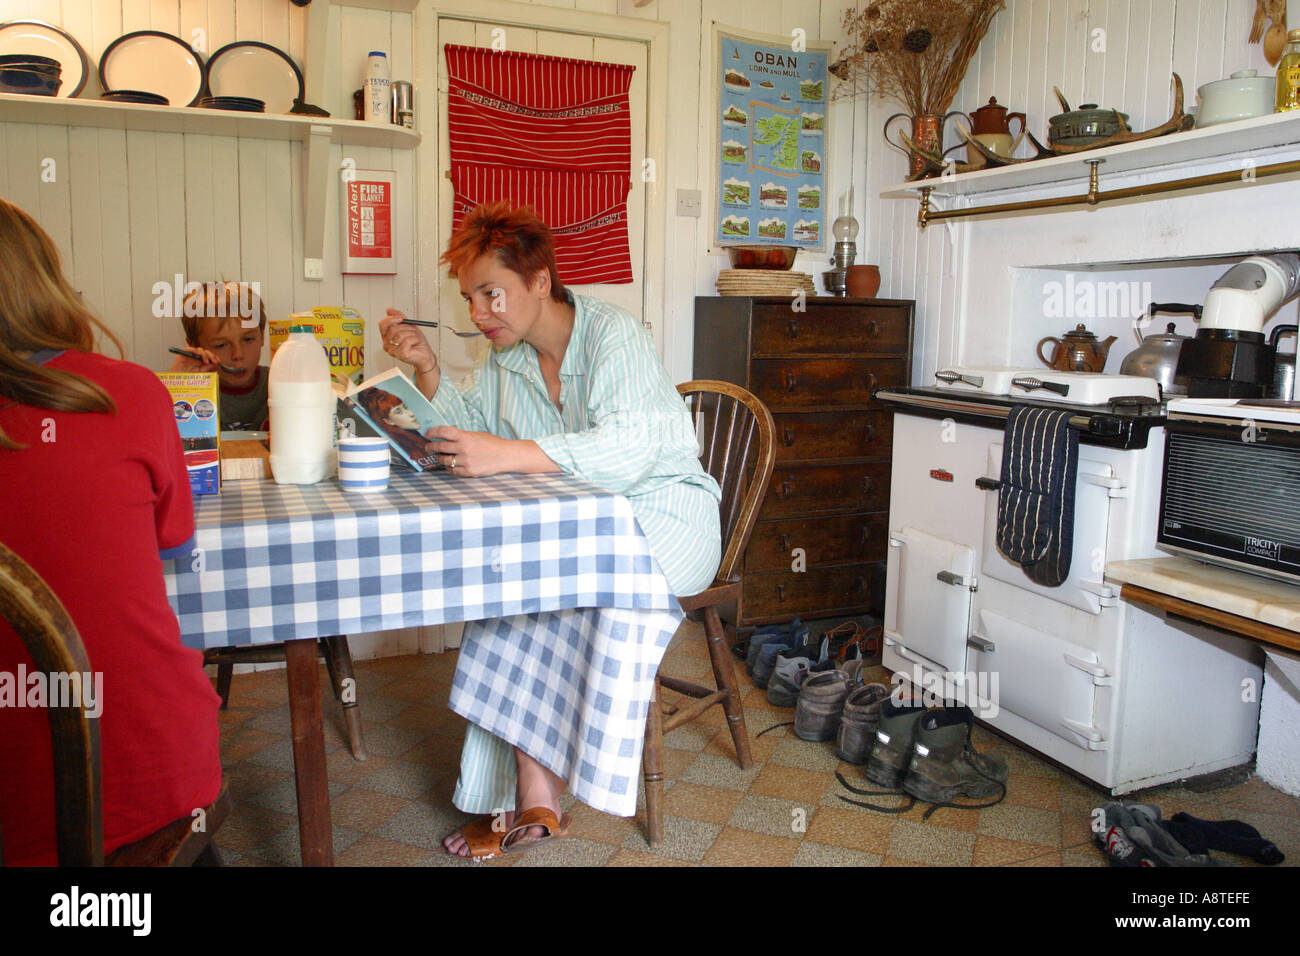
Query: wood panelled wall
(132, 208)
(1033, 46)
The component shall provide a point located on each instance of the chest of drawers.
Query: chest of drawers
(818, 549)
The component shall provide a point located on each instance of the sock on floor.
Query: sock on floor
(1231, 836)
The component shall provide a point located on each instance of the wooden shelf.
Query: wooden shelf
(1227, 141)
(17, 108)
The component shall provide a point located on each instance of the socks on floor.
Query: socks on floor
(1231, 836)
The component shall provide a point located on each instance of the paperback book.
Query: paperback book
(391, 406)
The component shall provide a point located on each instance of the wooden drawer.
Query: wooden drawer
(780, 330)
(838, 539)
(802, 436)
(792, 383)
(810, 489)
(821, 592)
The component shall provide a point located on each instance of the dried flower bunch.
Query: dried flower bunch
(913, 51)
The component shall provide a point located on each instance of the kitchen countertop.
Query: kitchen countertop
(1219, 591)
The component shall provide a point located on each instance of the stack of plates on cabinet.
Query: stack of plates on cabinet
(135, 96)
(764, 282)
(240, 104)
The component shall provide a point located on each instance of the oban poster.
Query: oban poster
(771, 142)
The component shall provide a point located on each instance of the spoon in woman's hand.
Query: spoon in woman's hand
(434, 325)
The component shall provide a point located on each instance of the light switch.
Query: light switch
(313, 269)
(689, 202)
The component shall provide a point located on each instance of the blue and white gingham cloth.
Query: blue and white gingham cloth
(580, 612)
(276, 562)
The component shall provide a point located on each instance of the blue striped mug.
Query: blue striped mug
(363, 464)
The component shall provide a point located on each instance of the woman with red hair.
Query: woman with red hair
(571, 384)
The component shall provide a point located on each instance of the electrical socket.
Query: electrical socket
(313, 269)
(689, 202)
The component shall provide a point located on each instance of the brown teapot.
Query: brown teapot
(994, 119)
(1077, 351)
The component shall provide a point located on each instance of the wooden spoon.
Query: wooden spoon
(1275, 43)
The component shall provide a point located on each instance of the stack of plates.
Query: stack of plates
(35, 40)
(135, 96)
(31, 74)
(240, 104)
(764, 282)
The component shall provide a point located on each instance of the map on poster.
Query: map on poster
(772, 122)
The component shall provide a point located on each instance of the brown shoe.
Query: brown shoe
(821, 699)
(858, 723)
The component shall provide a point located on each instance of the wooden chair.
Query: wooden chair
(728, 419)
(338, 661)
(46, 630)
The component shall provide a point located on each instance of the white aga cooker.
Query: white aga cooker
(1116, 692)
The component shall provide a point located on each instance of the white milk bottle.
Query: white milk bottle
(378, 88)
(302, 402)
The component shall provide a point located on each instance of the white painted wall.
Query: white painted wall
(978, 283)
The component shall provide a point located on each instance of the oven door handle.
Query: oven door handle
(1096, 741)
(892, 637)
(1098, 673)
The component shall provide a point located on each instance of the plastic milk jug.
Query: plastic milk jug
(378, 86)
(301, 399)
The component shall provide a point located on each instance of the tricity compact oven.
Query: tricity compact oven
(1231, 492)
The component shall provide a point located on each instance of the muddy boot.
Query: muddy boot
(946, 766)
(893, 747)
(859, 723)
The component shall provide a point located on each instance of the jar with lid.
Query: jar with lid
(1288, 75)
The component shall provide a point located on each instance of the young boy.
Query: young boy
(218, 322)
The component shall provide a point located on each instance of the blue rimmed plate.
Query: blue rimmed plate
(153, 62)
(35, 37)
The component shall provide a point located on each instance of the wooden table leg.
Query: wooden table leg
(314, 829)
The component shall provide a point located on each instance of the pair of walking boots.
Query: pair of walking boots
(928, 754)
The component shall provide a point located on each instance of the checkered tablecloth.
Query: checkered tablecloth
(275, 562)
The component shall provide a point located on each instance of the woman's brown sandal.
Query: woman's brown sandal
(534, 817)
(483, 838)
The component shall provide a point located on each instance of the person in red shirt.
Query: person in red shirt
(92, 486)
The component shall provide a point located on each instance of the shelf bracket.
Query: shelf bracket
(316, 184)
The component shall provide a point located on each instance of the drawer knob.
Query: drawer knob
(784, 542)
(867, 485)
(869, 432)
(790, 381)
(862, 583)
(794, 329)
(866, 534)
(787, 436)
(873, 329)
(871, 382)
(787, 486)
(780, 592)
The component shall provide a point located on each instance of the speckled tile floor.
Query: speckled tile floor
(394, 808)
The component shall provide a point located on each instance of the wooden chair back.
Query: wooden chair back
(43, 625)
(738, 448)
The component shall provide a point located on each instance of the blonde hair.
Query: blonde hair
(219, 300)
(40, 310)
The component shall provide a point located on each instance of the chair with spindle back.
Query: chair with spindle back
(47, 632)
(737, 447)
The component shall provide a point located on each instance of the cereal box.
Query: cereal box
(194, 403)
(341, 333)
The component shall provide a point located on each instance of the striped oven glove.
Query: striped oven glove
(1040, 456)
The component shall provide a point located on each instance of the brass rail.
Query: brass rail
(1095, 196)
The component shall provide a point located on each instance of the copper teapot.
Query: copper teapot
(1077, 351)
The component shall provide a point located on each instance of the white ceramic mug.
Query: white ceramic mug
(363, 464)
